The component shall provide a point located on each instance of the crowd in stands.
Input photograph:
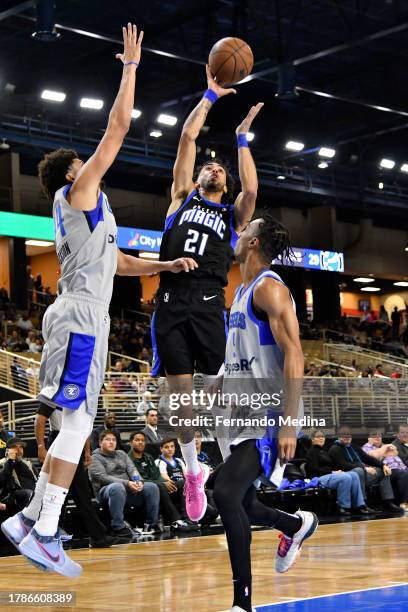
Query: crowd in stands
(145, 475)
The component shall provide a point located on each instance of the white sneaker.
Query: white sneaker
(17, 527)
(239, 609)
(289, 548)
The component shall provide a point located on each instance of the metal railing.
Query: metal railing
(19, 373)
(139, 363)
(345, 354)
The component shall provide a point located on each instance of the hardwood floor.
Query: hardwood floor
(193, 574)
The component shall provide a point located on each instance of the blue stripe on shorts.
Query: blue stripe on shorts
(72, 388)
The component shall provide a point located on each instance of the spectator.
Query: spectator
(346, 484)
(15, 343)
(109, 422)
(112, 475)
(396, 374)
(146, 404)
(173, 469)
(401, 442)
(201, 455)
(17, 476)
(399, 477)
(4, 436)
(371, 471)
(19, 375)
(396, 322)
(79, 490)
(151, 431)
(384, 314)
(24, 323)
(398, 468)
(378, 372)
(30, 285)
(150, 472)
(38, 287)
(31, 341)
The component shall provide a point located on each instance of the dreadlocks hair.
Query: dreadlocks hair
(274, 238)
(229, 180)
(52, 170)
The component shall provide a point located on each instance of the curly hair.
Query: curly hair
(229, 180)
(274, 238)
(52, 170)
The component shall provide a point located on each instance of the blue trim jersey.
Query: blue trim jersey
(86, 247)
(203, 230)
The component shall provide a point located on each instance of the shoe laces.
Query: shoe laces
(191, 488)
(284, 545)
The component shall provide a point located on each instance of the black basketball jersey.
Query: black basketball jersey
(204, 231)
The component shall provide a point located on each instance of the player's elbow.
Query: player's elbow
(188, 135)
(119, 125)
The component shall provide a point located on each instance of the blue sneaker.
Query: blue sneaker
(17, 527)
(47, 553)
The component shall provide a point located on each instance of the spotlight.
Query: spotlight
(166, 119)
(38, 243)
(404, 168)
(136, 113)
(401, 284)
(293, 145)
(381, 185)
(53, 96)
(327, 152)
(372, 289)
(280, 177)
(156, 133)
(250, 136)
(323, 165)
(93, 103)
(4, 145)
(363, 279)
(387, 163)
(213, 154)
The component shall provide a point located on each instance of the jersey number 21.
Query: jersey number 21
(191, 244)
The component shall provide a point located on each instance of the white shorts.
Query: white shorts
(76, 331)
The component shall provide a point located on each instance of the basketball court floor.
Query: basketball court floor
(359, 565)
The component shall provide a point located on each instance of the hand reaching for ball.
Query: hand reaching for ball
(217, 87)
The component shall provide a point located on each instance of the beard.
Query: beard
(211, 185)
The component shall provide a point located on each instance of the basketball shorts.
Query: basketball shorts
(76, 331)
(189, 330)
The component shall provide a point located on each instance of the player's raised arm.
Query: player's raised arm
(245, 202)
(273, 298)
(84, 191)
(186, 154)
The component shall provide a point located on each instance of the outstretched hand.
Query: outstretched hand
(243, 128)
(183, 264)
(215, 86)
(132, 45)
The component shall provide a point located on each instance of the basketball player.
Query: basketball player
(189, 324)
(76, 326)
(263, 345)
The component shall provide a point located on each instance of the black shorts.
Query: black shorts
(189, 330)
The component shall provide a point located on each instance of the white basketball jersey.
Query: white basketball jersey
(252, 352)
(86, 247)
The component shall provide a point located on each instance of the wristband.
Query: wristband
(135, 63)
(211, 96)
(242, 140)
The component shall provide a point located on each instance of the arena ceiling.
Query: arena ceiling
(347, 60)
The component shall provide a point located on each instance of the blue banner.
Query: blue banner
(330, 261)
(139, 239)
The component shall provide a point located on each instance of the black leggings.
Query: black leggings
(235, 496)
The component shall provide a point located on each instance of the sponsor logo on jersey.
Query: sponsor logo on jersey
(242, 365)
(211, 219)
(71, 391)
(111, 238)
(237, 319)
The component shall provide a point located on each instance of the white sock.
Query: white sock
(189, 453)
(53, 500)
(32, 511)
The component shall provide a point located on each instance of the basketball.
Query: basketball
(230, 60)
